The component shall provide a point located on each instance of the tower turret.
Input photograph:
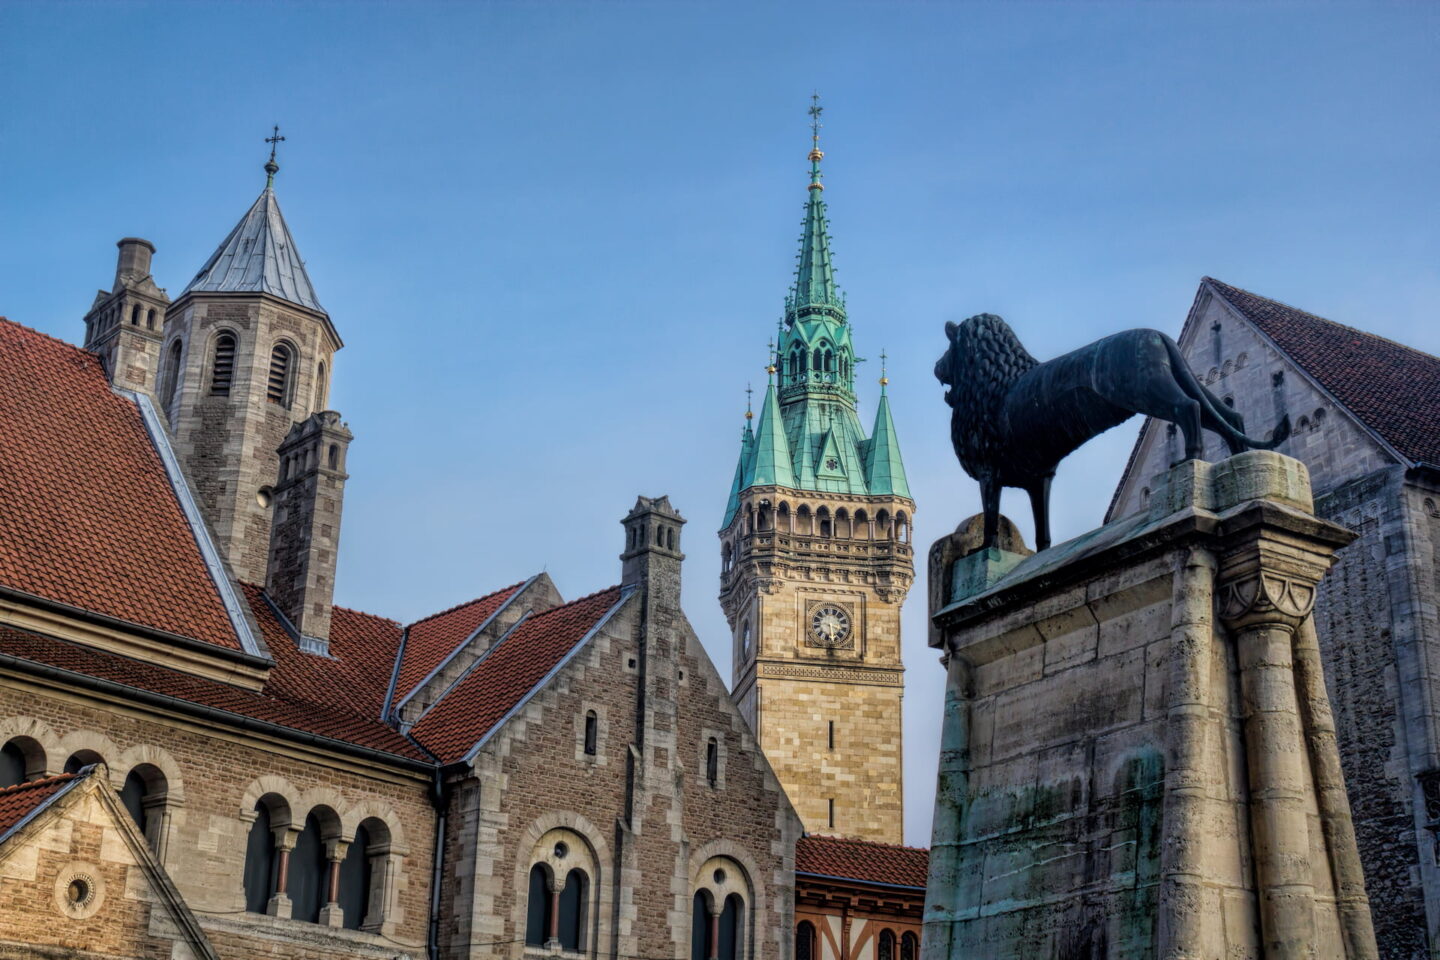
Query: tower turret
(816, 561)
(125, 323)
(249, 353)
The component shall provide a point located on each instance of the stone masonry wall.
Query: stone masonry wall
(214, 778)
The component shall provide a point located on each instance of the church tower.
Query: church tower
(816, 561)
(247, 357)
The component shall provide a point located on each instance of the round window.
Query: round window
(719, 876)
(560, 850)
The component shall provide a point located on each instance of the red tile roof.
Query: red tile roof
(353, 678)
(507, 673)
(1391, 388)
(89, 518)
(278, 703)
(862, 860)
(23, 799)
(431, 640)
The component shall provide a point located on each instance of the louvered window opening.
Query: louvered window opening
(223, 370)
(278, 385)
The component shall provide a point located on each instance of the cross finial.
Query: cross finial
(816, 154)
(770, 367)
(271, 167)
(749, 414)
(884, 380)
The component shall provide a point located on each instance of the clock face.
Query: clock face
(829, 625)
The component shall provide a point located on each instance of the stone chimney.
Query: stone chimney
(125, 324)
(305, 532)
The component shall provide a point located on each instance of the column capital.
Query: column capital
(1270, 560)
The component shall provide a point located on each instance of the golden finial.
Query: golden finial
(816, 154)
(749, 414)
(884, 380)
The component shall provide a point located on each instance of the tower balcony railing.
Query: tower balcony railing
(771, 541)
(815, 381)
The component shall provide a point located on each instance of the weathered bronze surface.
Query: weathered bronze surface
(1015, 418)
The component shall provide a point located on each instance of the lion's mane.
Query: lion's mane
(985, 360)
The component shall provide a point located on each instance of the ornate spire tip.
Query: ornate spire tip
(271, 167)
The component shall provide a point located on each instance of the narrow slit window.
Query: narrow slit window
(832, 812)
(592, 727)
(832, 734)
(712, 762)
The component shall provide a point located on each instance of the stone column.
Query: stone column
(1267, 579)
(279, 905)
(1189, 771)
(332, 914)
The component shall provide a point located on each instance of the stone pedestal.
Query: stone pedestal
(1138, 757)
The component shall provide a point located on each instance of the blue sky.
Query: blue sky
(556, 236)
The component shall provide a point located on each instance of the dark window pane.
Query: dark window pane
(132, 795)
(12, 765)
(355, 880)
(572, 910)
(306, 886)
(537, 911)
(729, 929)
(805, 941)
(699, 928)
(259, 862)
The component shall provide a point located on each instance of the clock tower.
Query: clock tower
(816, 561)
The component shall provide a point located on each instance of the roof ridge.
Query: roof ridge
(80, 351)
(467, 603)
(577, 600)
(1316, 316)
(333, 606)
(864, 843)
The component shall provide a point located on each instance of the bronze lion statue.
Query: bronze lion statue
(1014, 418)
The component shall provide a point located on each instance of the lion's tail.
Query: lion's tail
(1196, 390)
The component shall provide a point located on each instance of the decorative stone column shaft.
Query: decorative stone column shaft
(1266, 590)
(332, 914)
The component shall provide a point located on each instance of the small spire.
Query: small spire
(271, 167)
(749, 413)
(770, 367)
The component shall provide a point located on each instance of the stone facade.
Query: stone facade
(1375, 615)
(1138, 755)
(826, 713)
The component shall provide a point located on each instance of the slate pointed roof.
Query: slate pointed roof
(258, 256)
(884, 470)
(770, 462)
(1392, 389)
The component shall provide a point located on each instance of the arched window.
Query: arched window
(909, 947)
(902, 527)
(537, 909)
(150, 319)
(817, 362)
(766, 517)
(21, 759)
(12, 765)
(670, 539)
(307, 873)
(570, 910)
(262, 860)
(81, 759)
(883, 530)
(700, 927)
(862, 526)
(712, 762)
(592, 732)
(222, 367)
(822, 520)
(171, 384)
(322, 386)
(356, 876)
(805, 941)
(829, 362)
(727, 946)
(277, 386)
(802, 520)
(135, 315)
(887, 946)
(132, 797)
(332, 457)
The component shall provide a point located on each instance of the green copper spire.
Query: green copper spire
(814, 291)
(742, 467)
(884, 470)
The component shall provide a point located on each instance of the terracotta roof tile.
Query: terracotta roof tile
(1391, 388)
(19, 801)
(431, 640)
(87, 516)
(355, 675)
(278, 704)
(862, 860)
(507, 673)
